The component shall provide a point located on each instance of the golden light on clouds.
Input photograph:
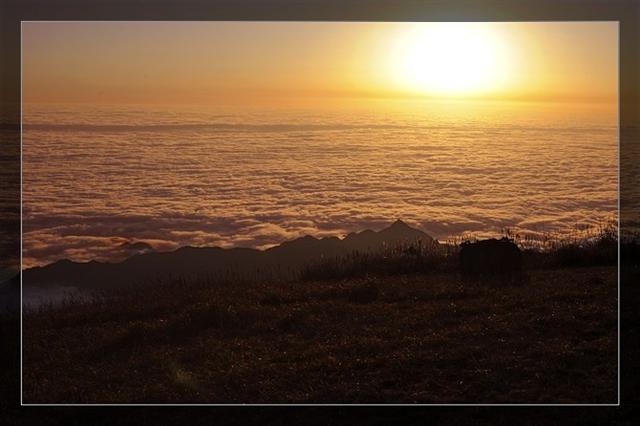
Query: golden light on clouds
(253, 133)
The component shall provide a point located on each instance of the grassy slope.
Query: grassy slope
(408, 338)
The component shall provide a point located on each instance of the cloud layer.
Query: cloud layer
(94, 179)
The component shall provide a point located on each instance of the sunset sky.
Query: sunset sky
(220, 154)
(258, 62)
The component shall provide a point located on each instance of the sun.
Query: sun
(449, 59)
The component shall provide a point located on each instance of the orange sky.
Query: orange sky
(257, 62)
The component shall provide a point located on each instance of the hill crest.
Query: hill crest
(188, 261)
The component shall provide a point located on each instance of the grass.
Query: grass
(398, 259)
(595, 246)
(405, 338)
(399, 326)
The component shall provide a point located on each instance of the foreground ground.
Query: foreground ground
(402, 339)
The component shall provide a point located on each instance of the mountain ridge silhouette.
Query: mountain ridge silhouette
(190, 261)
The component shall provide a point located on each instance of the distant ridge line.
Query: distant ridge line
(187, 260)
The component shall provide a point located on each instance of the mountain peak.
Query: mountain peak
(400, 230)
(399, 224)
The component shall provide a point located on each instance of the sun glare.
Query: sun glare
(450, 59)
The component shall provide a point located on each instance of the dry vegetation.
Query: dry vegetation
(426, 338)
(400, 326)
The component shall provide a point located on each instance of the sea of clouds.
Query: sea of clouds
(98, 178)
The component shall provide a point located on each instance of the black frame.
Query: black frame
(626, 12)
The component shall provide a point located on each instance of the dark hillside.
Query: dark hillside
(404, 338)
